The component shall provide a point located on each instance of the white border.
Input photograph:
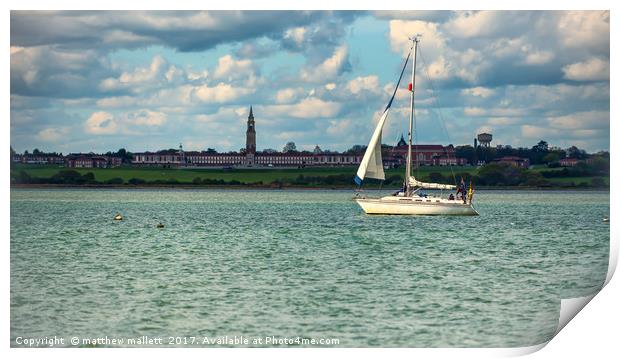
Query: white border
(594, 330)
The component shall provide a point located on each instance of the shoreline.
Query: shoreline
(270, 187)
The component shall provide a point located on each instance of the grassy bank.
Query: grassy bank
(337, 177)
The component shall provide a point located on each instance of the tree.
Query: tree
(574, 152)
(542, 147)
(551, 157)
(36, 151)
(289, 147)
(465, 151)
(356, 149)
(211, 150)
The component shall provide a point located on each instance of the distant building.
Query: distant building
(250, 140)
(514, 161)
(79, 160)
(568, 162)
(38, 159)
(423, 154)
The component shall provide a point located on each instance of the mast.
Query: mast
(415, 40)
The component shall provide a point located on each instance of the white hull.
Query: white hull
(395, 205)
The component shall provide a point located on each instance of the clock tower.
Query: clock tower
(250, 139)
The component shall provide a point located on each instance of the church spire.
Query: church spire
(251, 116)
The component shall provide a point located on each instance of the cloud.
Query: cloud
(340, 127)
(366, 83)
(117, 102)
(328, 69)
(142, 78)
(181, 30)
(52, 134)
(147, 118)
(585, 30)
(594, 69)
(296, 35)
(539, 57)
(101, 123)
(307, 108)
(421, 15)
(288, 95)
(234, 114)
(478, 24)
(228, 67)
(220, 93)
(497, 69)
(493, 112)
(581, 120)
(56, 72)
(478, 92)
(401, 31)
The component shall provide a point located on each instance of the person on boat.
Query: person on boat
(451, 197)
(461, 190)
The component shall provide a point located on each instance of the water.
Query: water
(304, 264)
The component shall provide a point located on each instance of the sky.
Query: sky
(85, 81)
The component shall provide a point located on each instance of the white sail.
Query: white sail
(413, 182)
(372, 162)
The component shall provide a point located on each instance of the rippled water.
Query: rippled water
(300, 263)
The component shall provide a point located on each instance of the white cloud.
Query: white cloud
(339, 127)
(101, 123)
(116, 102)
(594, 69)
(306, 108)
(194, 76)
(367, 83)
(228, 67)
(145, 117)
(288, 95)
(439, 69)
(330, 86)
(224, 115)
(581, 120)
(433, 40)
(478, 92)
(329, 69)
(469, 24)
(493, 112)
(144, 74)
(296, 34)
(539, 57)
(52, 134)
(157, 73)
(220, 93)
(584, 29)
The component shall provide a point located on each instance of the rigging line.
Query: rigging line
(437, 105)
(416, 138)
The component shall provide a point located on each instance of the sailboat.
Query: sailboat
(410, 200)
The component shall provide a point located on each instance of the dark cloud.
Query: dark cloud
(181, 30)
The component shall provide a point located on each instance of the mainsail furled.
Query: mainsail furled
(372, 162)
(413, 182)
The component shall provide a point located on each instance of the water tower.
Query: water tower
(485, 139)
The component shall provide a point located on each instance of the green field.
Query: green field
(254, 175)
(250, 175)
